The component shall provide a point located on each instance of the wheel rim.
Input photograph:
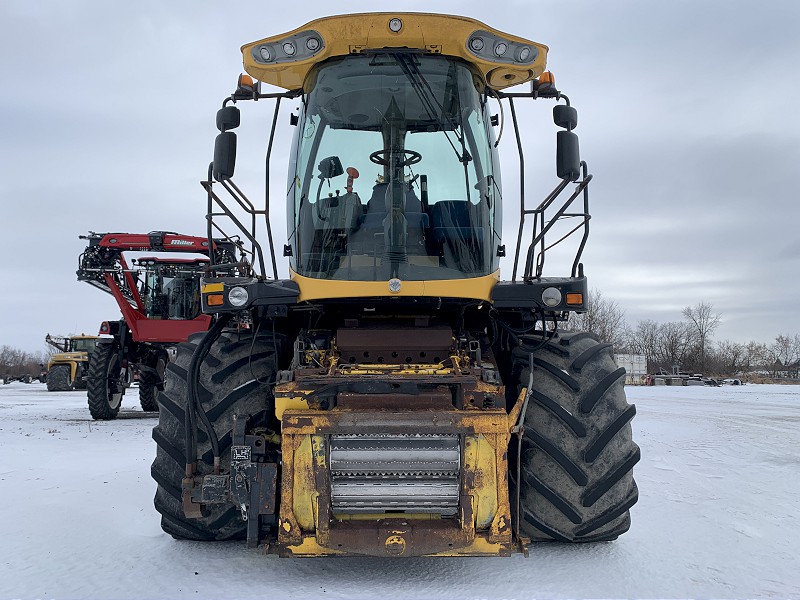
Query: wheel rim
(161, 368)
(115, 383)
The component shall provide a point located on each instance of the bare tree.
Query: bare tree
(784, 355)
(644, 340)
(664, 345)
(15, 362)
(604, 318)
(705, 322)
(731, 358)
(687, 344)
(674, 344)
(757, 356)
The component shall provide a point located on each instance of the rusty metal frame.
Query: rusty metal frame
(403, 535)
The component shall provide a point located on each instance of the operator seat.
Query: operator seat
(378, 209)
(341, 213)
(335, 220)
(455, 238)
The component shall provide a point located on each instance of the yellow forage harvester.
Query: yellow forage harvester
(393, 395)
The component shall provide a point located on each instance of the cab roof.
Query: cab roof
(285, 60)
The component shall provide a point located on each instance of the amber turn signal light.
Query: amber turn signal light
(574, 298)
(215, 299)
(547, 78)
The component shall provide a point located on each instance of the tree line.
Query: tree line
(15, 362)
(688, 344)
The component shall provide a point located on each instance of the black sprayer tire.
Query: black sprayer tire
(80, 383)
(58, 379)
(149, 384)
(578, 452)
(106, 382)
(147, 396)
(236, 377)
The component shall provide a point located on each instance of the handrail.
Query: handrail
(539, 238)
(241, 199)
(207, 185)
(541, 224)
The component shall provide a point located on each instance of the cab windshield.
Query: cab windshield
(170, 292)
(84, 345)
(393, 172)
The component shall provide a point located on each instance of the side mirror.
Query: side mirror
(565, 116)
(330, 167)
(228, 118)
(568, 156)
(225, 155)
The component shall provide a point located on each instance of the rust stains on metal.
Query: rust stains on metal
(433, 400)
(394, 345)
(481, 526)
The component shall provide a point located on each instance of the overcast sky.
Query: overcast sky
(687, 119)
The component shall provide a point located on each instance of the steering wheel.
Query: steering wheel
(381, 157)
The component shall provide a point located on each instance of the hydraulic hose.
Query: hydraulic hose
(193, 406)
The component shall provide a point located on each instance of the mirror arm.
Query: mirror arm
(266, 188)
(522, 211)
(209, 216)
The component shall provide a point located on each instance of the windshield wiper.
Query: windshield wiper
(426, 96)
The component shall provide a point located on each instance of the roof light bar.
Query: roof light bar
(488, 46)
(301, 46)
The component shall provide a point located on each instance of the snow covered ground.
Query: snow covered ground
(717, 516)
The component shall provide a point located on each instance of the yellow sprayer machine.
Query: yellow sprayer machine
(394, 396)
(69, 367)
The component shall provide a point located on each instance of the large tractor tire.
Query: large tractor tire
(58, 379)
(106, 382)
(577, 452)
(236, 377)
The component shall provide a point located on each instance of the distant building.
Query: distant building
(791, 371)
(635, 368)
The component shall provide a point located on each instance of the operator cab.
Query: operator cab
(170, 288)
(83, 345)
(393, 171)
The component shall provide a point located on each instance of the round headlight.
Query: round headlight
(238, 296)
(395, 25)
(476, 44)
(312, 44)
(500, 48)
(551, 297)
(289, 49)
(523, 54)
(265, 54)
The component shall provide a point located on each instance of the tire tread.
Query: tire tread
(577, 450)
